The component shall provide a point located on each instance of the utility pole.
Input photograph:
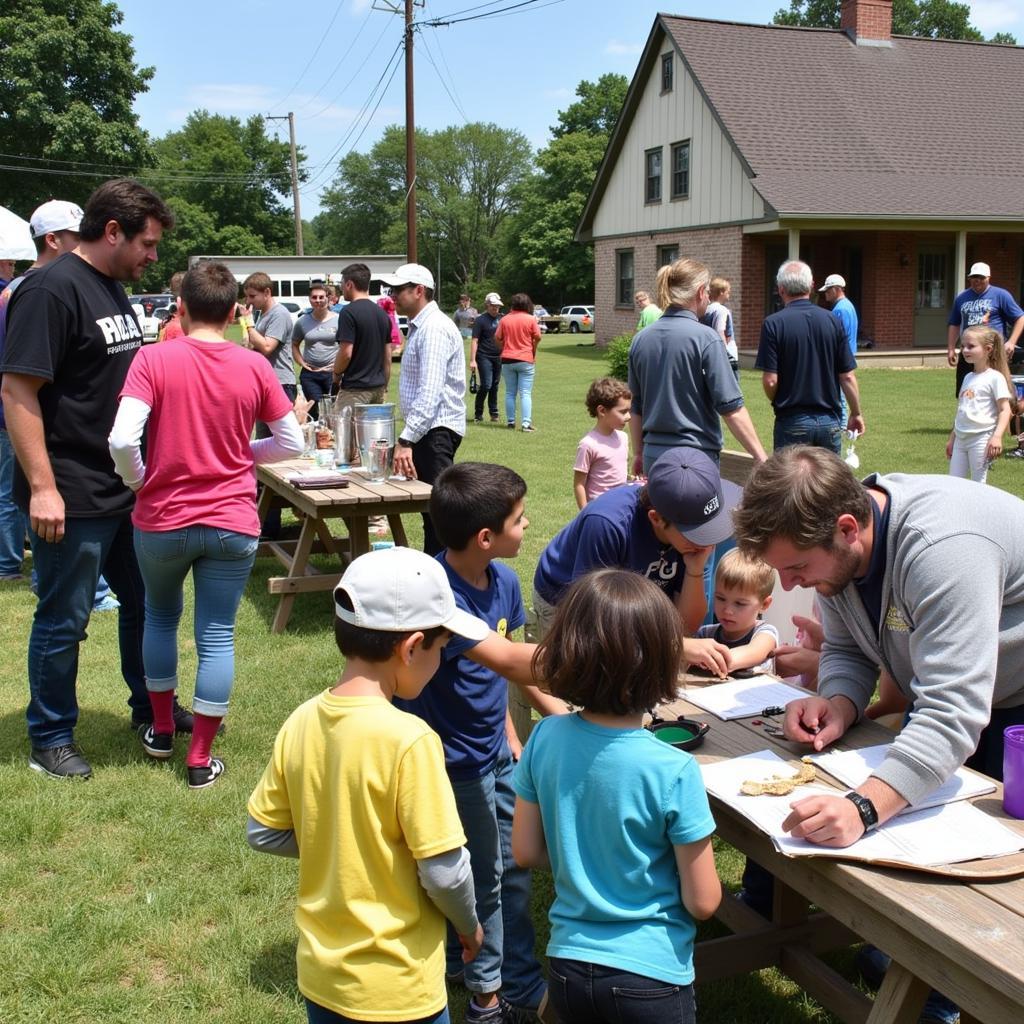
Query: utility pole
(410, 142)
(393, 7)
(295, 180)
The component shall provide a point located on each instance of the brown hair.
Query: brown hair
(209, 291)
(606, 391)
(174, 285)
(358, 275)
(679, 282)
(797, 495)
(258, 281)
(128, 203)
(996, 355)
(614, 646)
(718, 286)
(521, 303)
(735, 571)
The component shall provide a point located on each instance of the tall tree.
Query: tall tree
(68, 80)
(597, 108)
(937, 19)
(232, 170)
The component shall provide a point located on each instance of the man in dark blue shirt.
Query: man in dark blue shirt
(485, 357)
(806, 366)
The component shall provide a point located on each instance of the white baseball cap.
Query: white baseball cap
(980, 270)
(409, 273)
(55, 215)
(399, 590)
(833, 281)
(493, 298)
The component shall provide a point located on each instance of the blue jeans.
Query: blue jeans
(12, 519)
(67, 574)
(506, 959)
(518, 378)
(220, 562)
(317, 1014)
(315, 384)
(583, 991)
(819, 431)
(490, 377)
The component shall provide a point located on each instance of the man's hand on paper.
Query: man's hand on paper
(826, 820)
(818, 721)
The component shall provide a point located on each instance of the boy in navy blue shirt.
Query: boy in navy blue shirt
(479, 514)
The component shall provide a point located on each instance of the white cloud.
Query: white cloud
(623, 49)
(359, 6)
(995, 15)
(229, 98)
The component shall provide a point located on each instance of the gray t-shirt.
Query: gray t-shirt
(319, 339)
(277, 323)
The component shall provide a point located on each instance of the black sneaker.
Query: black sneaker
(159, 745)
(200, 778)
(60, 762)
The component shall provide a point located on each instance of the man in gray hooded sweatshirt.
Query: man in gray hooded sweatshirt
(920, 575)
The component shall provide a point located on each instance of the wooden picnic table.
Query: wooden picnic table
(354, 505)
(961, 935)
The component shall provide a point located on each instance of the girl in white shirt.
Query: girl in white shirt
(985, 406)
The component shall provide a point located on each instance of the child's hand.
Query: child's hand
(471, 944)
(638, 465)
(707, 654)
(995, 447)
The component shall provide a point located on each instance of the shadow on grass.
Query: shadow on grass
(312, 613)
(273, 971)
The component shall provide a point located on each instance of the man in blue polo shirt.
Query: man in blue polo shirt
(806, 366)
(982, 303)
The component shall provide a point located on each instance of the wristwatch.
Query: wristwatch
(402, 443)
(865, 808)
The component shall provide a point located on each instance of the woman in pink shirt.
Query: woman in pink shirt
(195, 507)
(517, 338)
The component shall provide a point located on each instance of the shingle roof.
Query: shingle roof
(924, 128)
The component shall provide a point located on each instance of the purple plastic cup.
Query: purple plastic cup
(1013, 770)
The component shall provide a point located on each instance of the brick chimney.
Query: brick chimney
(867, 22)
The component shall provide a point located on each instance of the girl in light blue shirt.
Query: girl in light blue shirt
(620, 817)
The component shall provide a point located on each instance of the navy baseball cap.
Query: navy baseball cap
(687, 490)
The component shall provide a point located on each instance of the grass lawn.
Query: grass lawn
(130, 898)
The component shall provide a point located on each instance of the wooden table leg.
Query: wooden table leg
(900, 999)
(398, 530)
(296, 570)
(359, 535)
(264, 503)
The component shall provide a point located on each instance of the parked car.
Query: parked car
(151, 302)
(294, 309)
(577, 318)
(539, 312)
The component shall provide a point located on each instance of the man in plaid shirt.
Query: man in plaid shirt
(432, 390)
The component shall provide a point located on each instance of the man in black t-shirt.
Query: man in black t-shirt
(71, 336)
(485, 357)
(806, 365)
(362, 367)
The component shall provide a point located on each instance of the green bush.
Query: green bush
(617, 354)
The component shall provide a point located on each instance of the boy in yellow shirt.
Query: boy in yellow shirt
(357, 790)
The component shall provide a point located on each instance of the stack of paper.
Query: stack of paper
(854, 766)
(935, 836)
(741, 698)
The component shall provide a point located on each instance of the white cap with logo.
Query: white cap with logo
(833, 281)
(399, 590)
(55, 215)
(492, 299)
(980, 270)
(408, 273)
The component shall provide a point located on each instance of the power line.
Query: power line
(453, 19)
(309, 63)
(444, 85)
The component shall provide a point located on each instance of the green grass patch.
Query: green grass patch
(131, 898)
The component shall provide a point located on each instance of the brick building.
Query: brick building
(892, 160)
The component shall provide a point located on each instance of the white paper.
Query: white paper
(935, 836)
(852, 767)
(741, 698)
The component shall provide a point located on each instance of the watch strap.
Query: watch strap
(865, 808)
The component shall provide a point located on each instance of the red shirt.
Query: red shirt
(516, 333)
(172, 329)
(205, 399)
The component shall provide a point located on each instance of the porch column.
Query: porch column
(794, 244)
(960, 263)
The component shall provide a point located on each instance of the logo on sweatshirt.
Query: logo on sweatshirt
(894, 620)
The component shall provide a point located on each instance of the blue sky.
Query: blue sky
(518, 69)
